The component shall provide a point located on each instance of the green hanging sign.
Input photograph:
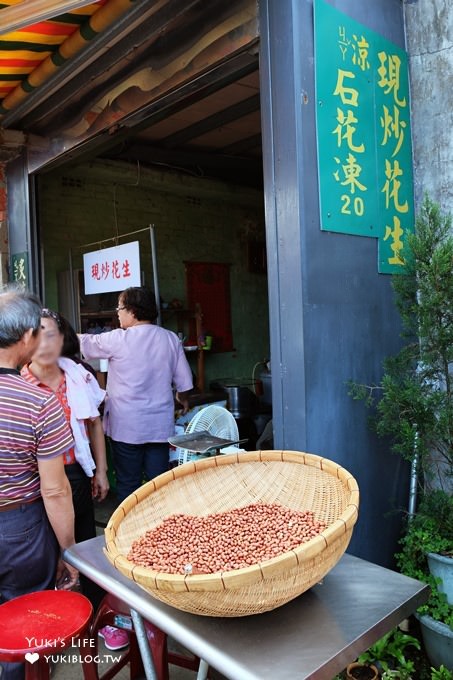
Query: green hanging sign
(19, 269)
(363, 134)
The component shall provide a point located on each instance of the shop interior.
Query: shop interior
(195, 175)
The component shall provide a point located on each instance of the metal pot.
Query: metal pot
(242, 402)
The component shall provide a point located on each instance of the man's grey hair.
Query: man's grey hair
(20, 310)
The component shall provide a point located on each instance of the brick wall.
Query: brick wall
(195, 219)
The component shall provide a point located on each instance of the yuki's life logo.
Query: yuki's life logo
(78, 650)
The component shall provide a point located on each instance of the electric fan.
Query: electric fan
(218, 422)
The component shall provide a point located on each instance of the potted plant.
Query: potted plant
(361, 671)
(423, 537)
(414, 406)
(428, 543)
(441, 673)
(403, 673)
(388, 655)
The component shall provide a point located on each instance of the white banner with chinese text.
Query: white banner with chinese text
(112, 269)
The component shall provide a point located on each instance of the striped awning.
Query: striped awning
(30, 55)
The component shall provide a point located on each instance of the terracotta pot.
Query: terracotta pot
(372, 674)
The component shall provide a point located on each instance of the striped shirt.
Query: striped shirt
(32, 426)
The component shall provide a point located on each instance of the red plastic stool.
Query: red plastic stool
(112, 608)
(44, 624)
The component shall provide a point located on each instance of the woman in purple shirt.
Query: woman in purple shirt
(145, 363)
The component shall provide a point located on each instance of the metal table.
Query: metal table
(314, 636)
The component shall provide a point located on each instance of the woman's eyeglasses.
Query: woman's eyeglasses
(120, 309)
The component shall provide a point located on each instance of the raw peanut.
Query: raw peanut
(224, 541)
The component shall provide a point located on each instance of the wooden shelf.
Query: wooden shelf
(183, 316)
(98, 315)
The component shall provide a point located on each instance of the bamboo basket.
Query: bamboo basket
(300, 481)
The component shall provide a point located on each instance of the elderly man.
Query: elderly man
(36, 513)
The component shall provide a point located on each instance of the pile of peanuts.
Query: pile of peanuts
(186, 544)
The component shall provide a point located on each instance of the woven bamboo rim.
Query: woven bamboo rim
(339, 529)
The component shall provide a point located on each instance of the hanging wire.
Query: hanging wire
(113, 238)
(138, 175)
(115, 215)
(115, 211)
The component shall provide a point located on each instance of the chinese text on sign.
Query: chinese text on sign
(112, 269)
(363, 133)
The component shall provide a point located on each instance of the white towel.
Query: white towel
(84, 397)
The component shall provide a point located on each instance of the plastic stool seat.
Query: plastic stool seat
(43, 623)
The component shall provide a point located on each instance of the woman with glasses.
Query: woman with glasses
(145, 363)
(80, 396)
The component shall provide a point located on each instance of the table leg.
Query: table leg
(143, 645)
(202, 670)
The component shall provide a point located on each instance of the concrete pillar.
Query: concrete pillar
(429, 31)
(11, 145)
(3, 227)
(333, 317)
